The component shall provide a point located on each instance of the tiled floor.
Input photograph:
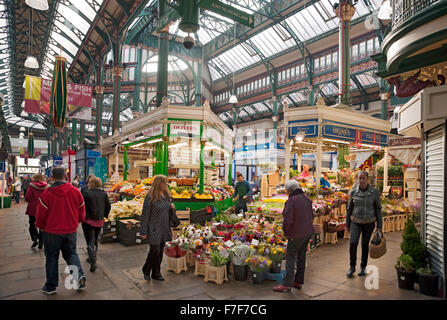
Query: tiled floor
(22, 273)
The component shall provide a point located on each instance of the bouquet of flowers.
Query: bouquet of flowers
(258, 263)
(173, 249)
(277, 253)
(219, 257)
(319, 208)
(239, 254)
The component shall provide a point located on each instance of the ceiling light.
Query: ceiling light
(31, 63)
(248, 133)
(22, 129)
(385, 11)
(178, 145)
(233, 99)
(38, 4)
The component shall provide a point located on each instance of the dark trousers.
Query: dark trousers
(91, 238)
(33, 231)
(17, 196)
(53, 244)
(241, 205)
(295, 255)
(366, 230)
(153, 260)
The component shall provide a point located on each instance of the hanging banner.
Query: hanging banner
(38, 93)
(186, 129)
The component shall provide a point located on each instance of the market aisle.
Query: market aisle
(22, 269)
(22, 273)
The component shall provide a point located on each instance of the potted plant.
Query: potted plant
(239, 254)
(413, 246)
(258, 266)
(405, 272)
(428, 281)
(276, 254)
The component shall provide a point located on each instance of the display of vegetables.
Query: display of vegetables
(125, 209)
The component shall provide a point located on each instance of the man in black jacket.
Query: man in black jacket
(97, 207)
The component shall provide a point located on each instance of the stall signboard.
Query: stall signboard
(57, 161)
(311, 130)
(349, 134)
(404, 141)
(153, 131)
(92, 154)
(2, 166)
(188, 129)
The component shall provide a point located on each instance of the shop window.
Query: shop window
(302, 70)
(370, 46)
(328, 60)
(283, 75)
(279, 76)
(355, 52)
(362, 49)
(323, 62)
(335, 58)
(377, 45)
(317, 64)
(288, 74)
(297, 71)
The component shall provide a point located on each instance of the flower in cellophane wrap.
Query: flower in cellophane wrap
(58, 100)
(31, 145)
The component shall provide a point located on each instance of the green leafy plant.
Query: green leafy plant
(219, 258)
(425, 270)
(412, 244)
(405, 263)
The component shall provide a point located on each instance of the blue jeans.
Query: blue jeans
(17, 196)
(53, 244)
(366, 230)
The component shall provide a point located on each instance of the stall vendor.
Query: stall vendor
(324, 181)
(305, 173)
(241, 193)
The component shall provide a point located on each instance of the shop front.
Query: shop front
(85, 163)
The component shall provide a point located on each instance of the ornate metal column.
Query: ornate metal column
(99, 98)
(163, 52)
(344, 12)
(117, 75)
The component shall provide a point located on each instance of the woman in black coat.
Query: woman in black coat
(155, 225)
(97, 206)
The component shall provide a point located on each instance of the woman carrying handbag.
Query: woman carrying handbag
(155, 225)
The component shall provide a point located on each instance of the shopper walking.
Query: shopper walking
(17, 189)
(36, 187)
(364, 213)
(76, 181)
(97, 206)
(241, 193)
(86, 187)
(59, 211)
(25, 184)
(155, 225)
(298, 229)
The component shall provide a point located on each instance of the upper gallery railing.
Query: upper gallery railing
(404, 10)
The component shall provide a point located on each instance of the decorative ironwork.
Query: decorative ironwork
(404, 10)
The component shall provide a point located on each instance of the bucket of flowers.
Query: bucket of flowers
(276, 254)
(258, 265)
(174, 250)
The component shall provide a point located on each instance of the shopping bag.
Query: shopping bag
(377, 245)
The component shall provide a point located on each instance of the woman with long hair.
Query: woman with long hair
(155, 225)
(36, 187)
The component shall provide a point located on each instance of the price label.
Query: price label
(113, 229)
(240, 215)
(229, 243)
(138, 240)
(113, 223)
(138, 234)
(114, 237)
(254, 242)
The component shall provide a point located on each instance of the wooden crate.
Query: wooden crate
(200, 269)
(216, 274)
(176, 264)
(264, 186)
(274, 179)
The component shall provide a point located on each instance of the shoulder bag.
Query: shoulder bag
(174, 221)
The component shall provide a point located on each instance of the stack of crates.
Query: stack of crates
(185, 220)
(129, 232)
(109, 232)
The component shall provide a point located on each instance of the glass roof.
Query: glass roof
(72, 22)
(25, 123)
(174, 64)
(313, 21)
(5, 88)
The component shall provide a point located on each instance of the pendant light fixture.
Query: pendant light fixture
(233, 98)
(38, 4)
(31, 62)
(385, 11)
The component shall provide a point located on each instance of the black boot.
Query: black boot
(35, 243)
(351, 272)
(92, 258)
(156, 274)
(362, 272)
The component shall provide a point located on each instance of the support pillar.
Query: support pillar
(165, 151)
(273, 147)
(74, 129)
(117, 74)
(385, 168)
(319, 161)
(233, 155)
(82, 134)
(202, 160)
(137, 92)
(125, 164)
(99, 99)
(344, 12)
(384, 96)
(300, 161)
(287, 158)
(163, 53)
(198, 84)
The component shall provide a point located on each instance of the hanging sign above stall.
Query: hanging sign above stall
(214, 136)
(186, 129)
(153, 131)
(311, 130)
(350, 134)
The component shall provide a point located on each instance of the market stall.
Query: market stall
(190, 145)
(319, 129)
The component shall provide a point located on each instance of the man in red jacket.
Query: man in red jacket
(59, 211)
